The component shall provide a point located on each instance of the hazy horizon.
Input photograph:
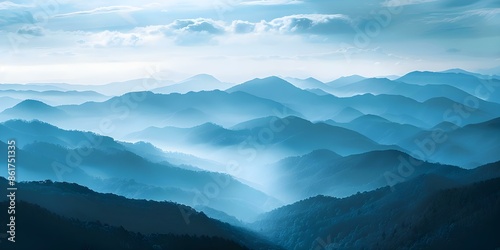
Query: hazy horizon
(237, 40)
(175, 80)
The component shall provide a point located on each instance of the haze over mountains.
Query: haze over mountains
(283, 161)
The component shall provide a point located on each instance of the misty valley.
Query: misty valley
(411, 162)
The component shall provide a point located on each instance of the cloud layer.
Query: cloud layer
(306, 35)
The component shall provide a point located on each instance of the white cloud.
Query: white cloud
(201, 25)
(193, 31)
(310, 23)
(240, 27)
(486, 13)
(5, 5)
(101, 10)
(265, 41)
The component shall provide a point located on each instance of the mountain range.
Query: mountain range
(410, 162)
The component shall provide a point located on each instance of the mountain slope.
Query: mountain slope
(140, 110)
(417, 92)
(32, 109)
(281, 137)
(196, 83)
(8, 102)
(422, 213)
(345, 80)
(469, 146)
(379, 129)
(468, 83)
(101, 163)
(309, 83)
(323, 172)
(58, 232)
(54, 97)
(310, 105)
(146, 217)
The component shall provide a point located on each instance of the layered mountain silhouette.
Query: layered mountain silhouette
(483, 88)
(32, 109)
(54, 97)
(281, 136)
(363, 163)
(309, 83)
(58, 232)
(379, 129)
(144, 109)
(102, 163)
(196, 83)
(324, 172)
(429, 212)
(455, 145)
(345, 80)
(125, 217)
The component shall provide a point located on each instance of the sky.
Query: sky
(96, 42)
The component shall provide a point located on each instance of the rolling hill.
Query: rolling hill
(72, 201)
(429, 212)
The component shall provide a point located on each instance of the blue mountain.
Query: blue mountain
(430, 211)
(323, 172)
(32, 109)
(468, 83)
(149, 218)
(345, 80)
(202, 82)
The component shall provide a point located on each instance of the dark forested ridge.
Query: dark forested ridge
(429, 212)
(38, 228)
(127, 217)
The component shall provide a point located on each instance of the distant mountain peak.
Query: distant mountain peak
(268, 81)
(201, 78)
(33, 107)
(312, 79)
(29, 103)
(345, 80)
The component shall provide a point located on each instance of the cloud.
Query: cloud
(115, 39)
(5, 5)
(241, 27)
(202, 30)
(486, 13)
(31, 30)
(8, 18)
(200, 25)
(310, 23)
(100, 10)
(193, 31)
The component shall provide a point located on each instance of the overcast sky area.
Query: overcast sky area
(97, 42)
